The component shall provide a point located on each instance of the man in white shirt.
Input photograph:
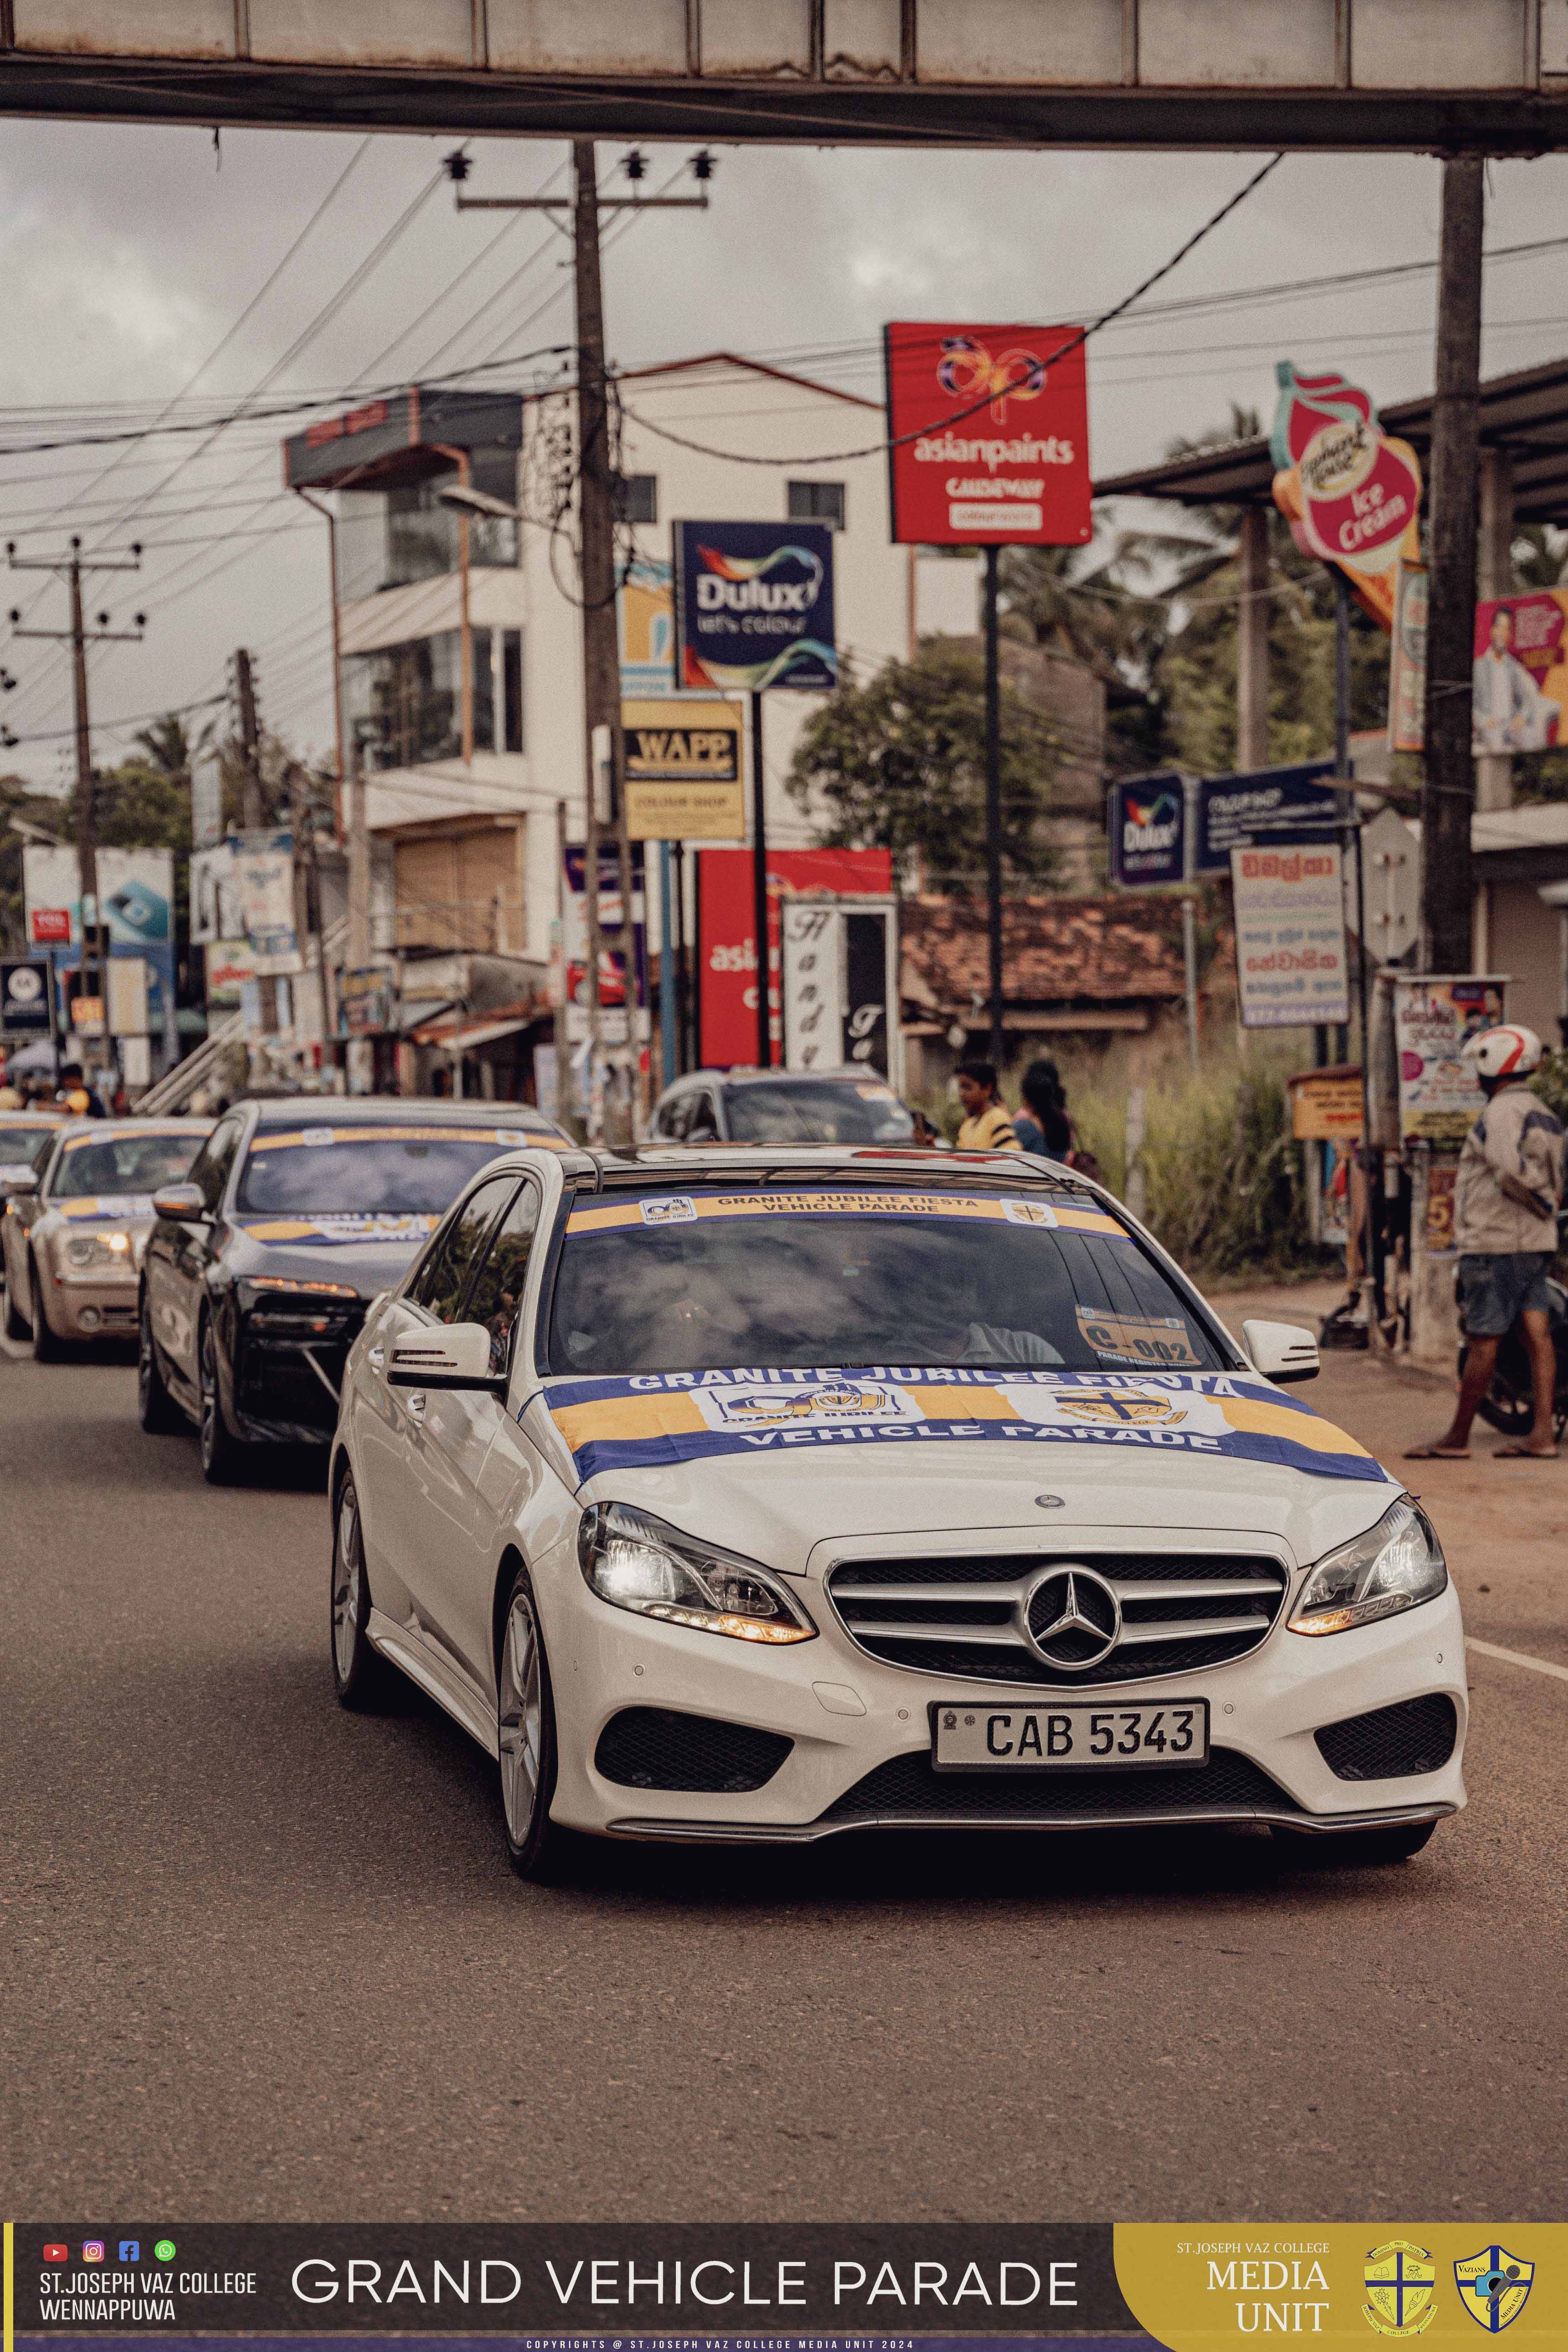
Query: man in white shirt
(1508, 712)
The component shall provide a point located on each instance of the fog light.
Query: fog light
(90, 1319)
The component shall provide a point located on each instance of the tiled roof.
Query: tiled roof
(1106, 950)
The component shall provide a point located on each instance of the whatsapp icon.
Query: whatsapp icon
(164, 2250)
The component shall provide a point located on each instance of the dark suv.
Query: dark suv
(851, 1106)
(261, 1267)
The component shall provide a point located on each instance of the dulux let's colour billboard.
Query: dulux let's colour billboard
(754, 605)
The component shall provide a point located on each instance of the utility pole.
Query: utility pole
(596, 517)
(1447, 792)
(94, 951)
(993, 809)
(250, 747)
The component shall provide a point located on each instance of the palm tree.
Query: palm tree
(166, 747)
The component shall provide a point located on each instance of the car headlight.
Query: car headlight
(1393, 1566)
(635, 1561)
(98, 1249)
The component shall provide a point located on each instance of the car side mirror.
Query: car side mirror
(1281, 1351)
(457, 1356)
(19, 1181)
(182, 1205)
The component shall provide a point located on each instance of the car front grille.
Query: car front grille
(1391, 1743)
(979, 1615)
(907, 1789)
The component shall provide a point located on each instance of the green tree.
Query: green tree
(899, 763)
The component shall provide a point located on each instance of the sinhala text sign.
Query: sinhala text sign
(1289, 935)
(1433, 1014)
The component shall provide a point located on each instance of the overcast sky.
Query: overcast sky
(130, 255)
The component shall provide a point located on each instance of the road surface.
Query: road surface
(266, 1960)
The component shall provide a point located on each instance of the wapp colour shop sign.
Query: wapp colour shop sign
(1398, 74)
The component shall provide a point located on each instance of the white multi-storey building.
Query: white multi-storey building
(465, 803)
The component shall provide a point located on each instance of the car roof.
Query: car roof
(30, 1117)
(675, 1164)
(395, 1110)
(741, 1077)
(132, 1125)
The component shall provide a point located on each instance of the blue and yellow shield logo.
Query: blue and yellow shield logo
(1494, 2286)
(1400, 2288)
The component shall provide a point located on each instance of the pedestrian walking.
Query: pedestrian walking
(1505, 1198)
(987, 1126)
(1042, 1125)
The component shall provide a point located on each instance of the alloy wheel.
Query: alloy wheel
(521, 1710)
(348, 1582)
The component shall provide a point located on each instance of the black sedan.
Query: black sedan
(260, 1266)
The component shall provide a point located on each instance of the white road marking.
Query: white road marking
(1516, 1658)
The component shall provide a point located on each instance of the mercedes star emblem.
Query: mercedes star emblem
(1073, 1617)
(1050, 1502)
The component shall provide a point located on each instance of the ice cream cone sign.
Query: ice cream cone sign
(1350, 493)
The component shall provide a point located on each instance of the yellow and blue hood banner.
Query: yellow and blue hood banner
(103, 1205)
(652, 1420)
(349, 1226)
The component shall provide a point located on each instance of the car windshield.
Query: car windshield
(19, 1142)
(818, 1111)
(824, 1278)
(138, 1162)
(375, 1170)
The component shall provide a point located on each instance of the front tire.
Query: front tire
(46, 1348)
(15, 1321)
(361, 1676)
(525, 1723)
(222, 1454)
(159, 1415)
(1359, 1849)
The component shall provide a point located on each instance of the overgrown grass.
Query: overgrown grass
(1223, 1175)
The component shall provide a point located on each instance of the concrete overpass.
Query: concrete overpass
(1448, 76)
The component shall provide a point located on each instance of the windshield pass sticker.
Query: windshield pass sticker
(656, 1419)
(1158, 1340)
(969, 1208)
(675, 1211)
(106, 1205)
(312, 1138)
(351, 1226)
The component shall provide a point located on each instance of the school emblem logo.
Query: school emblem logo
(1028, 1213)
(1494, 2286)
(809, 1405)
(1095, 1405)
(1401, 2281)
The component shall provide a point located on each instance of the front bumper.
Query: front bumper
(288, 1369)
(94, 1305)
(860, 1738)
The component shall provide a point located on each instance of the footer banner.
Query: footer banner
(790, 2287)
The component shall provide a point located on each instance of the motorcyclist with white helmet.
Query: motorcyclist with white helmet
(1506, 1197)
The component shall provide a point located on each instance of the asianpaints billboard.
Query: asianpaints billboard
(989, 434)
(1521, 677)
(1350, 493)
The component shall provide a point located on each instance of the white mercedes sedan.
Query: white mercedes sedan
(763, 1495)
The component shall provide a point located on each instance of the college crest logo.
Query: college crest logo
(775, 1411)
(1494, 2286)
(1400, 2288)
(1094, 1404)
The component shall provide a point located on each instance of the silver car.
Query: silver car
(76, 1224)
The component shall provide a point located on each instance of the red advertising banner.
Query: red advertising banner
(990, 434)
(726, 940)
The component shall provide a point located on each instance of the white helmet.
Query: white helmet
(1510, 1052)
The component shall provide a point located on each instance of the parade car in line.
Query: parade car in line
(260, 1266)
(75, 1227)
(22, 1132)
(764, 1495)
(848, 1106)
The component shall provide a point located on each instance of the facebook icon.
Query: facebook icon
(130, 2250)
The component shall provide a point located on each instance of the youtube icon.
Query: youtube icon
(57, 2253)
